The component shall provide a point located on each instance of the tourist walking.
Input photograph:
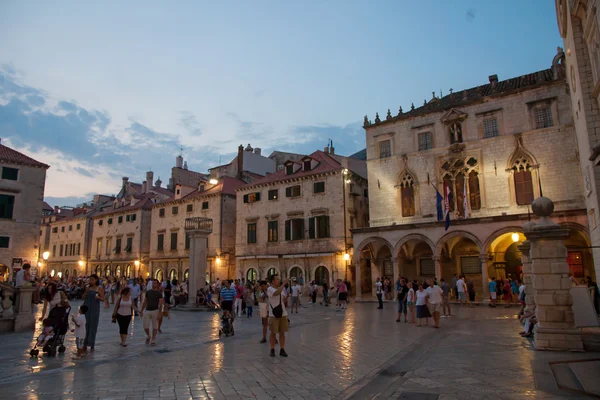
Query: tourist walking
(445, 286)
(79, 330)
(471, 292)
(379, 293)
(506, 293)
(402, 295)
(93, 296)
(136, 291)
(295, 296)
(122, 314)
(278, 321)
(493, 293)
(410, 302)
(461, 289)
(249, 299)
(239, 294)
(422, 310)
(263, 309)
(435, 295)
(53, 298)
(227, 297)
(150, 312)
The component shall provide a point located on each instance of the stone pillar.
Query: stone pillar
(24, 318)
(525, 249)
(357, 284)
(437, 260)
(396, 268)
(198, 263)
(555, 329)
(485, 287)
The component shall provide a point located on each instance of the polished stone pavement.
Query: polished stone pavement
(358, 354)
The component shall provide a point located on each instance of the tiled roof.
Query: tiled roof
(226, 185)
(9, 155)
(162, 190)
(46, 206)
(360, 155)
(326, 164)
(471, 95)
(145, 203)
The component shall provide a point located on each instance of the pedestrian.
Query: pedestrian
(514, 287)
(410, 302)
(506, 293)
(239, 294)
(93, 296)
(461, 289)
(315, 290)
(79, 330)
(249, 299)
(122, 314)
(135, 295)
(150, 312)
(342, 294)
(278, 321)
(435, 295)
(379, 293)
(106, 287)
(454, 288)
(493, 293)
(422, 310)
(521, 297)
(445, 286)
(263, 309)
(227, 297)
(310, 293)
(325, 287)
(53, 298)
(295, 296)
(471, 292)
(402, 295)
(24, 276)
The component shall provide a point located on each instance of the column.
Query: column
(556, 328)
(525, 248)
(198, 263)
(437, 260)
(396, 268)
(357, 285)
(484, 279)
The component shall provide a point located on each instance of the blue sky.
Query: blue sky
(103, 90)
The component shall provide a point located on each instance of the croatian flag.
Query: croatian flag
(465, 200)
(447, 200)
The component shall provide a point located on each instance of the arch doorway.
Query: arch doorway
(416, 258)
(128, 271)
(375, 262)
(98, 270)
(158, 275)
(118, 271)
(172, 274)
(107, 270)
(251, 275)
(321, 275)
(296, 273)
(186, 275)
(271, 273)
(460, 254)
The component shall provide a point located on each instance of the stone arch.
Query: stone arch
(578, 228)
(412, 236)
(465, 234)
(292, 268)
(496, 234)
(521, 152)
(371, 240)
(327, 273)
(269, 269)
(251, 272)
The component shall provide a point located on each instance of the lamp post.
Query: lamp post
(345, 180)
(45, 257)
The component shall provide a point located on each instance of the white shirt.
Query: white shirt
(135, 291)
(295, 290)
(80, 331)
(274, 301)
(378, 286)
(421, 298)
(149, 285)
(460, 286)
(411, 295)
(435, 294)
(20, 280)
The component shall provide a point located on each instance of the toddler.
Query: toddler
(79, 329)
(47, 333)
(249, 302)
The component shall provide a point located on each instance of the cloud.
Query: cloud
(190, 123)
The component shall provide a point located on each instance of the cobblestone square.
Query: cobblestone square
(361, 353)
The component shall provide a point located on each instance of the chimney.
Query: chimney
(326, 149)
(185, 165)
(125, 182)
(56, 209)
(257, 151)
(149, 179)
(240, 161)
(493, 80)
(144, 187)
(331, 148)
(158, 182)
(179, 162)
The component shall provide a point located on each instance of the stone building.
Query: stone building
(22, 181)
(296, 221)
(169, 243)
(121, 231)
(489, 151)
(578, 24)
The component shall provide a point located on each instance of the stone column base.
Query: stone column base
(558, 339)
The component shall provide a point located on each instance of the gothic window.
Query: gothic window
(455, 129)
(474, 194)
(523, 181)
(408, 195)
(460, 193)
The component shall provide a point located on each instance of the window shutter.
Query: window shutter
(301, 230)
(245, 198)
(288, 230)
(523, 187)
(326, 218)
(257, 196)
(288, 192)
(311, 228)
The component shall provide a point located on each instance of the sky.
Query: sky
(105, 89)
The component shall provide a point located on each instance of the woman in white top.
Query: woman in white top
(53, 298)
(122, 314)
(410, 302)
(422, 309)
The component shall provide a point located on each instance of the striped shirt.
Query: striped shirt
(227, 294)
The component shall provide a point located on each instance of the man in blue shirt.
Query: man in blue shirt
(227, 297)
(492, 284)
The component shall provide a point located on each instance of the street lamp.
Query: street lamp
(515, 237)
(213, 181)
(81, 263)
(346, 256)
(46, 255)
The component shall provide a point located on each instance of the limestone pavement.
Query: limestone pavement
(361, 353)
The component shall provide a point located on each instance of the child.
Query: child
(226, 320)
(249, 302)
(79, 330)
(47, 333)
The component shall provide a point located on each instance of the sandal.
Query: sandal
(123, 344)
(153, 344)
(147, 340)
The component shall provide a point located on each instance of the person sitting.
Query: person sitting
(200, 298)
(47, 333)
(529, 320)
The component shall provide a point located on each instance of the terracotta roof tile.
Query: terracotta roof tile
(12, 156)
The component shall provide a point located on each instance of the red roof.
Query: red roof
(326, 164)
(14, 157)
(226, 185)
(145, 203)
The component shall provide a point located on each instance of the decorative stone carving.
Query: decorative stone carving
(400, 111)
(366, 122)
(377, 119)
(389, 115)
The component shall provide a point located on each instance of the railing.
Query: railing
(199, 224)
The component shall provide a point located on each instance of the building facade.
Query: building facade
(489, 151)
(22, 182)
(69, 242)
(578, 24)
(169, 243)
(296, 222)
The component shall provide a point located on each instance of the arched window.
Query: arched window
(172, 274)
(448, 184)
(158, 275)
(251, 275)
(321, 275)
(128, 271)
(270, 273)
(98, 270)
(296, 272)
(107, 270)
(66, 274)
(408, 195)
(460, 193)
(75, 272)
(474, 194)
(186, 274)
(523, 181)
(118, 271)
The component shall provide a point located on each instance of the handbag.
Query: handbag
(278, 311)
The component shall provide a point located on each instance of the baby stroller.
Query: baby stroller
(226, 326)
(60, 326)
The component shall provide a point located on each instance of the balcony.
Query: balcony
(199, 224)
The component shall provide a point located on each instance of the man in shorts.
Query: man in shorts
(493, 292)
(461, 288)
(263, 308)
(435, 294)
(278, 321)
(153, 304)
(445, 286)
(295, 296)
(227, 297)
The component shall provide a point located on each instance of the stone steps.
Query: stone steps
(579, 376)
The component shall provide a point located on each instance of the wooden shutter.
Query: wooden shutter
(311, 227)
(288, 230)
(474, 194)
(288, 192)
(408, 201)
(460, 194)
(300, 229)
(523, 187)
(326, 221)
(257, 196)
(245, 198)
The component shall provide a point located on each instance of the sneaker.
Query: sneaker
(282, 353)
(272, 354)
(263, 340)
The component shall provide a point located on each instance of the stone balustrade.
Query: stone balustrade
(17, 308)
